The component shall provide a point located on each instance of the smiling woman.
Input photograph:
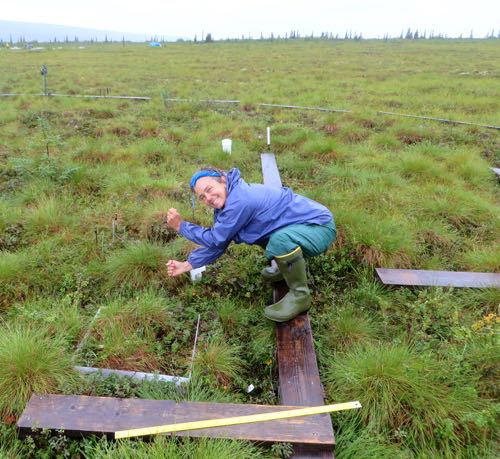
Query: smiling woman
(287, 225)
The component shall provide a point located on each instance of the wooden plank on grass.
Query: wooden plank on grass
(270, 170)
(438, 278)
(299, 376)
(103, 416)
(299, 380)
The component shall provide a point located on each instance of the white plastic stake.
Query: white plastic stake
(196, 273)
(269, 136)
(226, 146)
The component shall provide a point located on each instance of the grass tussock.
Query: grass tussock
(137, 264)
(350, 326)
(31, 361)
(219, 361)
(402, 395)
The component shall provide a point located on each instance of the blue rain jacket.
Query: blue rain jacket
(251, 213)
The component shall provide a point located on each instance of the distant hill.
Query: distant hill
(30, 31)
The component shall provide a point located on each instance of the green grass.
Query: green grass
(60, 317)
(136, 334)
(137, 264)
(161, 448)
(405, 193)
(401, 391)
(346, 328)
(219, 361)
(31, 361)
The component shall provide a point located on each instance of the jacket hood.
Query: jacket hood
(233, 177)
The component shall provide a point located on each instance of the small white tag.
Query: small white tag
(250, 388)
(196, 274)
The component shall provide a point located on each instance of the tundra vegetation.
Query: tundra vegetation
(85, 185)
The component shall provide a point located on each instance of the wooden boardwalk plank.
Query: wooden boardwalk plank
(270, 170)
(83, 416)
(438, 278)
(299, 380)
(299, 376)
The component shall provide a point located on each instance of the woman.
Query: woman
(287, 225)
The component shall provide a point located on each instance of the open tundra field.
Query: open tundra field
(84, 189)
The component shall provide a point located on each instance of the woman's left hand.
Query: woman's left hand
(176, 268)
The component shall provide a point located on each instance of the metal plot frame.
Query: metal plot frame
(138, 375)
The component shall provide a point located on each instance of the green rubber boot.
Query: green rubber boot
(293, 268)
(271, 274)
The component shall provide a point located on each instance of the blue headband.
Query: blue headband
(203, 173)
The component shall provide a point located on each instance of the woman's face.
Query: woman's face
(211, 192)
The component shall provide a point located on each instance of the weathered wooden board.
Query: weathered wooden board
(270, 170)
(438, 278)
(299, 380)
(299, 376)
(84, 416)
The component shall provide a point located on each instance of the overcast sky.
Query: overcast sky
(233, 18)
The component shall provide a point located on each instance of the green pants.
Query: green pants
(312, 239)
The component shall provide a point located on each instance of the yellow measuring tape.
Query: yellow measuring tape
(308, 411)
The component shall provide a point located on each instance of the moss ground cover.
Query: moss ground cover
(84, 186)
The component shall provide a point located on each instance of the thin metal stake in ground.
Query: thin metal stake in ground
(194, 348)
(441, 120)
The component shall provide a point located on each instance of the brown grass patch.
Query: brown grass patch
(120, 131)
(327, 158)
(155, 228)
(149, 132)
(172, 137)
(410, 138)
(332, 129)
(93, 157)
(355, 136)
(98, 114)
(248, 108)
(369, 255)
(434, 242)
(140, 360)
(368, 124)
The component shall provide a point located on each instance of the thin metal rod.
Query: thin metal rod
(139, 375)
(441, 120)
(81, 96)
(320, 109)
(218, 101)
(87, 334)
(101, 97)
(194, 348)
(210, 101)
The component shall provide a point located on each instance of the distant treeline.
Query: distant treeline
(409, 34)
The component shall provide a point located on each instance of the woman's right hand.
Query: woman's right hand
(176, 268)
(174, 219)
